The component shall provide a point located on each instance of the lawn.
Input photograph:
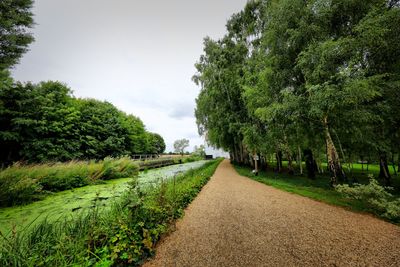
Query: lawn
(356, 173)
(318, 189)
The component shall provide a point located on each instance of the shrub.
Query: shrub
(192, 158)
(377, 198)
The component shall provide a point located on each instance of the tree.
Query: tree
(47, 122)
(15, 20)
(156, 143)
(102, 130)
(180, 145)
(137, 140)
(44, 122)
(38, 123)
(9, 109)
(378, 41)
(220, 110)
(199, 151)
(304, 77)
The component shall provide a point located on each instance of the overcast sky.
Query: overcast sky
(138, 55)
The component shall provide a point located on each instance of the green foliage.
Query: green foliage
(369, 197)
(156, 144)
(45, 122)
(123, 235)
(316, 189)
(22, 184)
(199, 151)
(15, 20)
(377, 197)
(192, 158)
(101, 132)
(220, 110)
(292, 76)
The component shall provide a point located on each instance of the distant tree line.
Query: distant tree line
(305, 80)
(45, 122)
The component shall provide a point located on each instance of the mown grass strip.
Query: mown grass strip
(317, 189)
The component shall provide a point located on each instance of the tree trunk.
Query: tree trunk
(234, 154)
(278, 156)
(289, 157)
(318, 166)
(310, 166)
(238, 158)
(288, 153)
(263, 162)
(300, 163)
(384, 169)
(362, 165)
(241, 153)
(326, 154)
(334, 166)
(290, 163)
(246, 156)
(255, 158)
(317, 163)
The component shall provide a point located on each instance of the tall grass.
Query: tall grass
(25, 183)
(125, 234)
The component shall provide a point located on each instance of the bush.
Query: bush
(376, 197)
(192, 158)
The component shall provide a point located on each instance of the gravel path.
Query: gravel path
(236, 221)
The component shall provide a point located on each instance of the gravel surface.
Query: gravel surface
(236, 221)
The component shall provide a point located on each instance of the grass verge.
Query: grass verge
(123, 235)
(317, 189)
